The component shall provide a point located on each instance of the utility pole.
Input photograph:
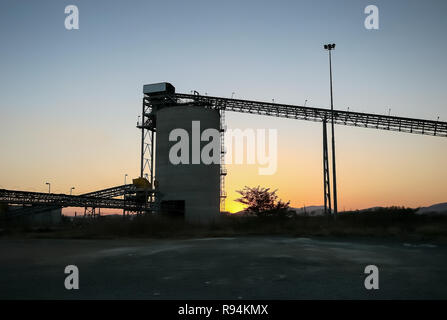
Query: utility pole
(331, 47)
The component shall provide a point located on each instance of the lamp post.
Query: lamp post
(125, 176)
(49, 186)
(330, 47)
(71, 189)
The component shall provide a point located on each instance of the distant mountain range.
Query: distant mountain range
(440, 208)
(310, 210)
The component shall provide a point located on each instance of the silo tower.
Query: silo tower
(190, 188)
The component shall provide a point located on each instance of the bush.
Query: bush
(263, 202)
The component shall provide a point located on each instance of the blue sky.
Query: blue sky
(259, 49)
(70, 99)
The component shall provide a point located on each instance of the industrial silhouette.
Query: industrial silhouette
(193, 191)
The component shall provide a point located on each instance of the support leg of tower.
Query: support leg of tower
(326, 182)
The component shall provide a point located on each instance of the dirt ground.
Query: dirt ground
(222, 268)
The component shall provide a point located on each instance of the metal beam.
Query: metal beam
(348, 118)
(62, 200)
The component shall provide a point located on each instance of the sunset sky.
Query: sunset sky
(70, 99)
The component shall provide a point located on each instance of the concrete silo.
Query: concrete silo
(192, 187)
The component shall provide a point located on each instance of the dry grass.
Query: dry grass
(389, 222)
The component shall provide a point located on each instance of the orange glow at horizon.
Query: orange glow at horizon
(71, 102)
(374, 168)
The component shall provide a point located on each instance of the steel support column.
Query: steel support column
(141, 126)
(147, 127)
(326, 177)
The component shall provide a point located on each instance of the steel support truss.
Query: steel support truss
(348, 118)
(326, 177)
(147, 126)
(101, 199)
(223, 170)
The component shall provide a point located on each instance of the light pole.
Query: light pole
(330, 47)
(305, 101)
(49, 186)
(71, 189)
(125, 176)
(232, 95)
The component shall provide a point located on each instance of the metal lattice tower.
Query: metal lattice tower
(147, 126)
(326, 178)
(223, 170)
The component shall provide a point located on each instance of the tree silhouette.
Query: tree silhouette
(261, 201)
